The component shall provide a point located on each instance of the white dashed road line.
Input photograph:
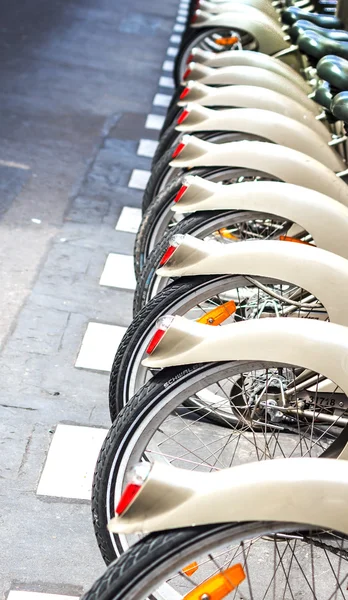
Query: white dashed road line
(70, 463)
(139, 179)
(129, 220)
(118, 272)
(99, 346)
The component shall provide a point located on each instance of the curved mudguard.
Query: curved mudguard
(247, 75)
(250, 59)
(321, 273)
(268, 33)
(311, 491)
(221, 7)
(286, 164)
(249, 96)
(268, 125)
(325, 219)
(319, 346)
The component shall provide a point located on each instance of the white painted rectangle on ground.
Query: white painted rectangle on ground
(183, 12)
(23, 595)
(70, 463)
(119, 272)
(172, 51)
(162, 100)
(147, 148)
(178, 28)
(129, 220)
(154, 122)
(181, 19)
(99, 346)
(167, 82)
(168, 65)
(139, 179)
(175, 38)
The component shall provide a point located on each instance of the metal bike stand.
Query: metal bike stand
(342, 11)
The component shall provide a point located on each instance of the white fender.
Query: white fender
(321, 273)
(222, 7)
(250, 59)
(286, 164)
(266, 124)
(312, 491)
(248, 96)
(319, 346)
(268, 34)
(325, 219)
(245, 75)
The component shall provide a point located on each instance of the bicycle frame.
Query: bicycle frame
(286, 164)
(298, 490)
(269, 125)
(325, 219)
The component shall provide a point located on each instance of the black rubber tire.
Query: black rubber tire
(187, 39)
(171, 116)
(187, 225)
(190, 225)
(167, 140)
(164, 302)
(157, 175)
(168, 389)
(119, 433)
(164, 199)
(159, 209)
(158, 553)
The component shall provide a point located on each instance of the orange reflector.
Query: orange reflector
(226, 234)
(227, 41)
(190, 569)
(219, 314)
(285, 238)
(218, 586)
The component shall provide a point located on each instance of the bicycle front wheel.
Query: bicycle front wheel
(261, 561)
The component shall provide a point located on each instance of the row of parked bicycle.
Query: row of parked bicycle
(238, 352)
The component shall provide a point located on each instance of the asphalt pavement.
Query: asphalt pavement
(79, 88)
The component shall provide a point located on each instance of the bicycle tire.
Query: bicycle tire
(156, 555)
(138, 422)
(197, 224)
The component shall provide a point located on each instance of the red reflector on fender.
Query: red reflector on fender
(180, 193)
(168, 253)
(178, 149)
(155, 340)
(184, 93)
(185, 113)
(128, 495)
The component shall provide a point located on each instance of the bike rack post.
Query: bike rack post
(342, 11)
